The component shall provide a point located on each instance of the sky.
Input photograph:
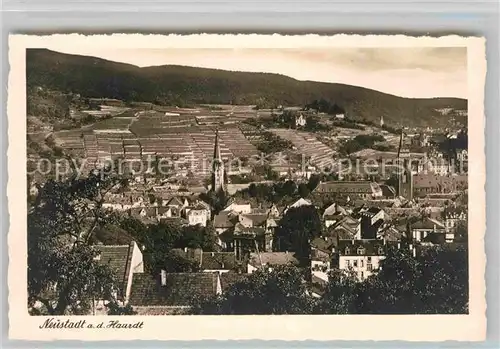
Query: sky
(416, 72)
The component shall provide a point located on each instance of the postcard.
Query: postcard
(273, 187)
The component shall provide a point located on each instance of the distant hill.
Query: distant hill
(178, 85)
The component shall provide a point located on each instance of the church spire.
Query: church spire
(217, 167)
(217, 147)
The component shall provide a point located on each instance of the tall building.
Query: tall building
(405, 175)
(217, 167)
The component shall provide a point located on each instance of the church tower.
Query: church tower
(405, 175)
(217, 167)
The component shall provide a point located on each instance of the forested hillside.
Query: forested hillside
(181, 86)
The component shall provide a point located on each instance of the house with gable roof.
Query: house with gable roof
(363, 257)
(426, 228)
(360, 189)
(322, 249)
(270, 259)
(299, 203)
(197, 214)
(171, 293)
(126, 262)
(452, 215)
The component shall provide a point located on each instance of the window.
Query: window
(369, 266)
(361, 250)
(362, 275)
(347, 262)
(355, 263)
(369, 259)
(347, 251)
(361, 263)
(380, 251)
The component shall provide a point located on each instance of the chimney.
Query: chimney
(385, 241)
(185, 249)
(213, 254)
(352, 241)
(414, 250)
(286, 252)
(163, 277)
(399, 245)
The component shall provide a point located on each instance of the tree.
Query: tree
(442, 287)
(198, 236)
(392, 290)
(288, 188)
(462, 231)
(217, 200)
(313, 182)
(435, 282)
(159, 240)
(135, 228)
(303, 190)
(280, 290)
(297, 227)
(173, 262)
(116, 309)
(63, 274)
(340, 294)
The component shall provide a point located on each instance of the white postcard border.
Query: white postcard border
(471, 327)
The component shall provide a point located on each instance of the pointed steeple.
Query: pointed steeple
(217, 167)
(217, 155)
(400, 142)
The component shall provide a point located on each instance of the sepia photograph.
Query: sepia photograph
(276, 180)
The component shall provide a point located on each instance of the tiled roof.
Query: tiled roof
(175, 201)
(272, 258)
(369, 247)
(257, 219)
(431, 180)
(149, 211)
(180, 288)
(223, 220)
(392, 233)
(175, 220)
(239, 229)
(322, 244)
(333, 217)
(118, 259)
(218, 260)
(427, 223)
(346, 187)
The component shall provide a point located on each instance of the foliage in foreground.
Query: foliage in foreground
(63, 273)
(434, 283)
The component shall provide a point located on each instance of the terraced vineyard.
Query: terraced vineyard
(152, 136)
(308, 145)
